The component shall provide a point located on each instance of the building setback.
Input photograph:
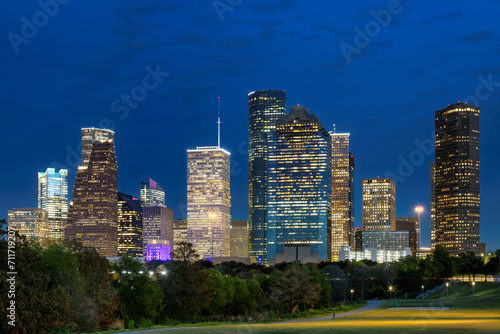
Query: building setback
(299, 190)
(265, 107)
(456, 179)
(53, 198)
(209, 201)
(92, 219)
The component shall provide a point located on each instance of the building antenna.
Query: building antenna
(333, 128)
(218, 124)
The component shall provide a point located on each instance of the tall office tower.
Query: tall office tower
(379, 205)
(89, 137)
(358, 238)
(342, 232)
(265, 107)
(152, 194)
(351, 196)
(129, 226)
(411, 224)
(239, 238)
(92, 219)
(433, 208)
(180, 232)
(31, 222)
(209, 201)
(300, 190)
(158, 231)
(53, 198)
(456, 178)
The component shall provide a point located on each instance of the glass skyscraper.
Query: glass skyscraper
(158, 227)
(89, 137)
(342, 231)
(152, 194)
(92, 218)
(209, 201)
(129, 226)
(53, 198)
(456, 179)
(299, 190)
(265, 107)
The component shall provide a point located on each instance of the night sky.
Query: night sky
(376, 69)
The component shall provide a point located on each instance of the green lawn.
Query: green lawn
(478, 314)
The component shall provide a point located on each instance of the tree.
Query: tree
(358, 273)
(185, 252)
(442, 264)
(338, 281)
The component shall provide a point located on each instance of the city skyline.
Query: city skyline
(388, 109)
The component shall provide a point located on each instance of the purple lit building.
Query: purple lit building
(158, 250)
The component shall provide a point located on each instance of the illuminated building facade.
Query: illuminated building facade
(412, 225)
(265, 107)
(157, 224)
(180, 232)
(53, 198)
(31, 222)
(152, 194)
(379, 204)
(388, 240)
(129, 226)
(342, 231)
(299, 190)
(209, 201)
(239, 238)
(374, 254)
(93, 216)
(456, 179)
(89, 137)
(157, 249)
(358, 238)
(433, 208)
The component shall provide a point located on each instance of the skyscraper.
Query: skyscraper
(299, 190)
(53, 198)
(31, 222)
(239, 238)
(265, 107)
(89, 137)
(379, 205)
(92, 218)
(158, 229)
(209, 201)
(456, 178)
(152, 194)
(129, 226)
(180, 232)
(342, 231)
(433, 208)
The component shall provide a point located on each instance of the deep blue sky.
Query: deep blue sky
(67, 74)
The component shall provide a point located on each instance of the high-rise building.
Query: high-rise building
(433, 208)
(411, 224)
(299, 190)
(89, 137)
(92, 218)
(456, 178)
(152, 194)
(209, 201)
(53, 198)
(31, 222)
(239, 238)
(180, 232)
(265, 107)
(158, 229)
(379, 204)
(358, 238)
(342, 231)
(388, 240)
(129, 226)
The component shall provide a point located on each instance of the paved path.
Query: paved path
(372, 304)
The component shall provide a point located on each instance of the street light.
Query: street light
(352, 291)
(390, 292)
(447, 285)
(212, 215)
(422, 291)
(473, 285)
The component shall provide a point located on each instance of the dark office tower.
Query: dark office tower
(92, 218)
(264, 109)
(299, 190)
(129, 226)
(351, 196)
(433, 208)
(152, 194)
(342, 219)
(456, 178)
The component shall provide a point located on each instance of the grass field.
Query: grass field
(468, 314)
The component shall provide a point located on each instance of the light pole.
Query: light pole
(473, 285)
(352, 291)
(390, 292)
(422, 291)
(447, 285)
(212, 215)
